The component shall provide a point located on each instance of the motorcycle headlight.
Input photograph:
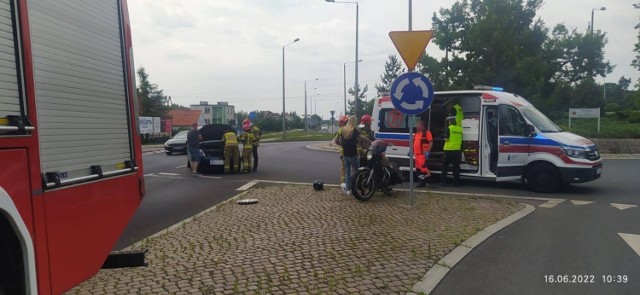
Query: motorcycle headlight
(369, 156)
(575, 153)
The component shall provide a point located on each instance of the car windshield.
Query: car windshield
(181, 135)
(539, 120)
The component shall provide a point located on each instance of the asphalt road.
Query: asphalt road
(579, 236)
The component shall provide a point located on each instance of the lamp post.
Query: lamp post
(306, 119)
(356, 88)
(592, 10)
(284, 130)
(344, 68)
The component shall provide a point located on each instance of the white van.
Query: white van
(505, 138)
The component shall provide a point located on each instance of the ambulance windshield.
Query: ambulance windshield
(539, 120)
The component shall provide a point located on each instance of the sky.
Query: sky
(231, 50)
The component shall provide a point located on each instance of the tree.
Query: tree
(574, 57)
(492, 42)
(153, 103)
(636, 61)
(361, 105)
(392, 69)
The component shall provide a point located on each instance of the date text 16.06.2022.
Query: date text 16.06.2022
(586, 279)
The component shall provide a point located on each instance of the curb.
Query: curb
(431, 279)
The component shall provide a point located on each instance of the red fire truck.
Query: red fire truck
(70, 157)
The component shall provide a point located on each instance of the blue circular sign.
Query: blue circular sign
(252, 115)
(412, 93)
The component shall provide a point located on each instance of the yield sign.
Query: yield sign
(410, 45)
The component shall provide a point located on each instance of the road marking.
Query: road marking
(168, 174)
(622, 206)
(551, 203)
(149, 174)
(632, 240)
(248, 185)
(181, 166)
(580, 203)
(210, 177)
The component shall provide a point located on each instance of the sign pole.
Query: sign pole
(412, 122)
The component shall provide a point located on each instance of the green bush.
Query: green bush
(633, 117)
(609, 128)
(611, 107)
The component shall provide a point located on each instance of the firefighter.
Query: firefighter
(247, 140)
(257, 134)
(452, 151)
(422, 141)
(336, 140)
(367, 136)
(231, 152)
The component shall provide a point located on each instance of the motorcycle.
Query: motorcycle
(379, 174)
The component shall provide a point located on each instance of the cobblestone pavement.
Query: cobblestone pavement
(300, 241)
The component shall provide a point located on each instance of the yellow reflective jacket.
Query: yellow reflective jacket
(230, 139)
(247, 140)
(257, 133)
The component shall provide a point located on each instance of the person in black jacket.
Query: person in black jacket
(350, 140)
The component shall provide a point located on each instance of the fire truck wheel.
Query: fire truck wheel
(543, 177)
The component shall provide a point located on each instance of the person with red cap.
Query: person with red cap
(247, 140)
(257, 133)
(366, 137)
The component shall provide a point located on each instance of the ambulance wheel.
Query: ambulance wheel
(543, 178)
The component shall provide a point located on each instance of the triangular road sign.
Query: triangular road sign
(410, 45)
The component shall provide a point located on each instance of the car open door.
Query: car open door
(513, 143)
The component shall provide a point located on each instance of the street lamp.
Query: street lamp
(344, 68)
(356, 88)
(306, 120)
(592, 10)
(284, 130)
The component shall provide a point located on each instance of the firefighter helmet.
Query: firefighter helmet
(343, 120)
(366, 120)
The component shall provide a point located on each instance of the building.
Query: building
(182, 119)
(221, 113)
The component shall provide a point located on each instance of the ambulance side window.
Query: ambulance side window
(511, 122)
(392, 120)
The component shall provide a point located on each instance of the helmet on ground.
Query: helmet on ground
(366, 120)
(343, 120)
(318, 185)
(246, 122)
(246, 127)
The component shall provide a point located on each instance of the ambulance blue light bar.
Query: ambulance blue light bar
(484, 87)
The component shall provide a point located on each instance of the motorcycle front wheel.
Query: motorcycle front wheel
(360, 188)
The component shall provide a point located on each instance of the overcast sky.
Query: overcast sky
(231, 50)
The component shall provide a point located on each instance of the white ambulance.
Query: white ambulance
(505, 138)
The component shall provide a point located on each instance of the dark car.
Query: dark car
(212, 148)
(177, 144)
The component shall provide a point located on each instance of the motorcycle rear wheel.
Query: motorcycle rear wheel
(361, 191)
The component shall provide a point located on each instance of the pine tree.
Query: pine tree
(153, 103)
(392, 69)
(361, 104)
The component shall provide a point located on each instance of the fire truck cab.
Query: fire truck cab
(70, 156)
